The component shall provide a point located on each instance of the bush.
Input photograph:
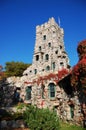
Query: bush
(41, 119)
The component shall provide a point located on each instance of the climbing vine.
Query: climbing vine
(55, 77)
(78, 74)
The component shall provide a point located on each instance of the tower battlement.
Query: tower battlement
(46, 25)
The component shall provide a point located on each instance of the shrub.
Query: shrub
(41, 119)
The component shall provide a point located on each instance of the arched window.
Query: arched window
(49, 44)
(37, 57)
(48, 68)
(46, 57)
(51, 90)
(28, 92)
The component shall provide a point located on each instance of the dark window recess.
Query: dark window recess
(42, 69)
(40, 48)
(46, 57)
(61, 63)
(49, 44)
(60, 47)
(53, 65)
(35, 71)
(30, 71)
(37, 57)
(44, 37)
(48, 68)
(72, 111)
(56, 51)
(26, 74)
(53, 31)
(59, 56)
(64, 57)
(17, 95)
(28, 92)
(52, 90)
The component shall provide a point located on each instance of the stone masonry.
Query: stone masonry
(46, 82)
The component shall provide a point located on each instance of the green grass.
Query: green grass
(65, 126)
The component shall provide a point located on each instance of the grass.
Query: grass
(66, 126)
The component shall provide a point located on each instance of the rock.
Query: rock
(20, 123)
(3, 124)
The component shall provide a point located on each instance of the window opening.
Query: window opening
(44, 37)
(40, 48)
(53, 31)
(61, 63)
(30, 71)
(46, 57)
(42, 69)
(35, 71)
(72, 110)
(37, 57)
(53, 65)
(56, 52)
(49, 44)
(52, 90)
(28, 92)
(48, 68)
(64, 57)
(60, 47)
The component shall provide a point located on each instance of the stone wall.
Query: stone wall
(9, 89)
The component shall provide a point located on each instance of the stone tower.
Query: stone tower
(49, 52)
(44, 84)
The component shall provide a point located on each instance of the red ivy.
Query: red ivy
(62, 73)
(78, 75)
(55, 77)
(81, 49)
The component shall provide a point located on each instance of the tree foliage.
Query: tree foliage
(15, 68)
(78, 74)
(78, 77)
(2, 73)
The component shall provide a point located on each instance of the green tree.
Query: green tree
(2, 73)
(15, 68)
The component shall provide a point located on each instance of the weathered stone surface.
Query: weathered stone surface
(3, 124)
(20, 123)
(12, 124)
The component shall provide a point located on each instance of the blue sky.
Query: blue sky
(19, 18)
